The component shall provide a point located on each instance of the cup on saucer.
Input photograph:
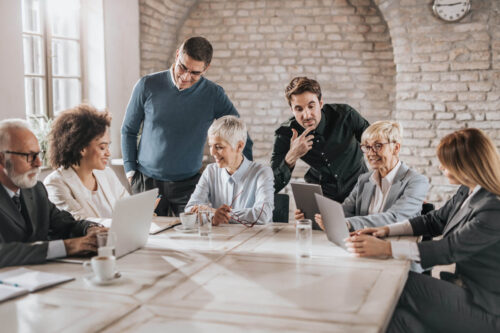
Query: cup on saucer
(102, 267)
(188, 220)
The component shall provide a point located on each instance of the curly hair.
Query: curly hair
(72, 131)
(300, 85)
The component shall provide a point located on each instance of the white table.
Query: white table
(239, 279)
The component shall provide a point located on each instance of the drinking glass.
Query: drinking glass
(106, 243)
(303, 236)
(205, 216)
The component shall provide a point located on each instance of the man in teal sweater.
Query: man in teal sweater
(175, 108)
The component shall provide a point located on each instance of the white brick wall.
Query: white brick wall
(386, 58)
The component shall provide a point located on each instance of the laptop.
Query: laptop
(303, 193)
(334, 220)
(131, 222)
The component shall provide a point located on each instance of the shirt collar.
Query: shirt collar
(172, 77)
(389, 178)
(12, 193)
(240, 173)
(322, 124)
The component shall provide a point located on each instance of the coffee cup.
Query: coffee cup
(188, 220)
(103, 267)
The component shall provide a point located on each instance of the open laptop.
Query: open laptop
(334, 220)
(303, 193)
(131, 222)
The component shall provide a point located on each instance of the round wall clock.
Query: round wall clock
(451, 10)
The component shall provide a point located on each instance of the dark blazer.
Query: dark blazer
(405, 198)
(471, 239)
(22, 244)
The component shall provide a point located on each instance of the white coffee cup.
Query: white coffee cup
(103, 267)
(188, 220)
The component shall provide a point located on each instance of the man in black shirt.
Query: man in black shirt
(325, 136)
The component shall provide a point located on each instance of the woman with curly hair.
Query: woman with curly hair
(79, 149)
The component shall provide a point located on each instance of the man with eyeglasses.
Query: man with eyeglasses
(32, 229)
(175, 109)
(325, 136)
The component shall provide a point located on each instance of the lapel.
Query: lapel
(8, 207)
(30, 203)
(366, 196)
(103, 183)
(459, 214)
(78, 189)
(397, 183)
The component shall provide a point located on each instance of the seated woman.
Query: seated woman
(391, 192)
(238, 190)
(469, 223)
(79, 149)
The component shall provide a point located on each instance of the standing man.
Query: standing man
(325, 136)
(32, 229)
(175, 108)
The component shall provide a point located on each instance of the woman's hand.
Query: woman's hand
(319, 221)
(221, 215)
(299, 215)
(379, 232)
(368, 246)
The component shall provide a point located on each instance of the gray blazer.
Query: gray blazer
(17, 245)
(471, 239)
(404, 200)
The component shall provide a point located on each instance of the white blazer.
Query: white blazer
(67, 191)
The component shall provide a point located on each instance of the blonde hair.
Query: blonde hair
(390, 130)
(471, 157)
(230, 129)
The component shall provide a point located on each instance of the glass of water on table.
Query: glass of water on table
(106, 243)
(303, 238)
(205, 216)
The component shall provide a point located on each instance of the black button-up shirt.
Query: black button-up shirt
(335, 159)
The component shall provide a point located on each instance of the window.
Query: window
(52, 56)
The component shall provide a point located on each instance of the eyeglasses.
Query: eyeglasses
(246, 223)
(183, 69)
(30, 157)
(376, 147)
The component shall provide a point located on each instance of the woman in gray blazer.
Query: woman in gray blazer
(469, 223)
(391, 192)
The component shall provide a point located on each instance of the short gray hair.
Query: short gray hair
(230, 129)
(389, 130)
(6, 126)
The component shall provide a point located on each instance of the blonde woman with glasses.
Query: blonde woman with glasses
(391, 192)
(469, 223)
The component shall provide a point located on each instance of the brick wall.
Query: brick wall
(386, 58)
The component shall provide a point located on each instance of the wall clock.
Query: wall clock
(451, 10)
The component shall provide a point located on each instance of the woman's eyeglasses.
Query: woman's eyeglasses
(376, 147)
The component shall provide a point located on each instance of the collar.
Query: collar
(172, 77)
(240, 173)
(322, 124)
(389, 178)
(12, 193)
(475, 190)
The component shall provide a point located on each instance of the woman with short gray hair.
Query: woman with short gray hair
(239, 190)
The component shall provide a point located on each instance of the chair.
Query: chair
(281, 208)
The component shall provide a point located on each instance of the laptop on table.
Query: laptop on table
(131, 222)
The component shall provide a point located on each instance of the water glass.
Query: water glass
(303, 235)
(106, 243)
(205, 216)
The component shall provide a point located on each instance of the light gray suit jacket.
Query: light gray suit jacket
(404, 200)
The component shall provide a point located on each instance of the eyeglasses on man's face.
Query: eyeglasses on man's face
(182, 69)
(376, 147)
(30, 157)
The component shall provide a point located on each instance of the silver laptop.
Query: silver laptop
(131, 221)
(303, 194)
(334, 220)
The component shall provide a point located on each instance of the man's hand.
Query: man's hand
(95, 229)
(82, 245)
(368, 246)
(221, 215)
(299, 146)
(379, 232)
(299, 215)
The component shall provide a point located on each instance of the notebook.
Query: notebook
(21, 281)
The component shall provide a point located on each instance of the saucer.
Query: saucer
(180, 228)
(92, 279)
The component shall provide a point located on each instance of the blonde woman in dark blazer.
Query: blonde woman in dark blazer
(469, 223)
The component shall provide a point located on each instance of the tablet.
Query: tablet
(303, 193)
(334, 220)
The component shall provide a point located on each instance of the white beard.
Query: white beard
(22, 180)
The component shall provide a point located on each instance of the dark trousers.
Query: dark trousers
(432, 305)
(175, 195)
